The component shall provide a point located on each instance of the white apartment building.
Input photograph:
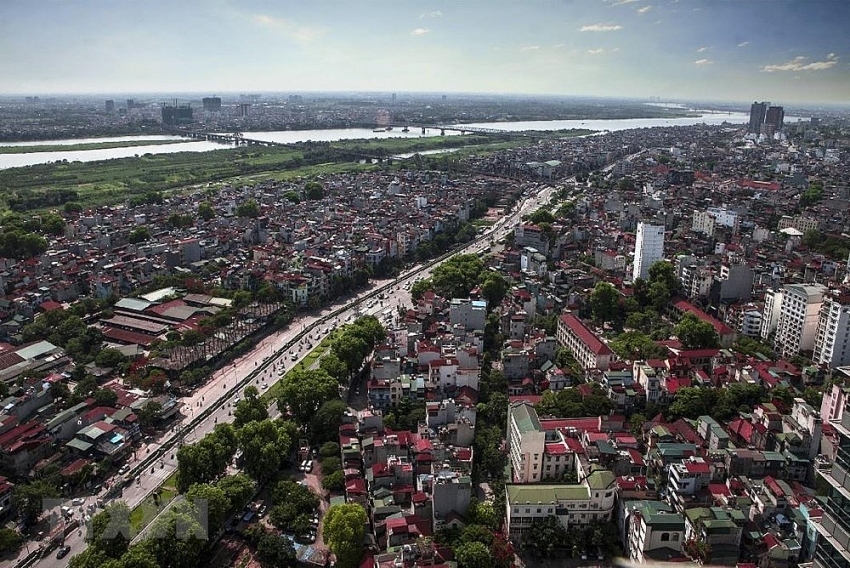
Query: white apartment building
(750, 322)
(649, 248)
(535, 455)
(591, 500)
(770, 317)
(833, 331)
(589, 351)
(798, 318)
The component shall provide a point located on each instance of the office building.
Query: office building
(833, 543)
(110, 106)
(757, 115)
(212, 104)
(774, 118)
(833, 331)
(649, 248)
(174, 115)
(798, 318)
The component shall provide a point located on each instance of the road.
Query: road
(276, 352)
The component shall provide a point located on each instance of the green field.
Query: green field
(85, 146)
(145, 511)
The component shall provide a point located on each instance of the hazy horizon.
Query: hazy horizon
(782, 51)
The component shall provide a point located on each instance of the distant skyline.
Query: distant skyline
(784, 51)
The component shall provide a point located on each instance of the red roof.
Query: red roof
(720, 327)
(555, 449)
(697, 467)
(577, 327)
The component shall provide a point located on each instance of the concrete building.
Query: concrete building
(833, 543)
(798, 318)
(772, 308)
(833, 331)
(586, 347)
(471, 314)
(649, 248)
(653, 531)
(757, 114)
(526, 443)
(591, 500)
(834, 401)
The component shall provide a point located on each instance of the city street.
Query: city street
(275, 350)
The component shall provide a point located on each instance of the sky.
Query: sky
(784, 51)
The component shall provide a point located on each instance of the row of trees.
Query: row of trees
(177, 537)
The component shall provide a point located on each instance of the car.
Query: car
(262, 511)
(78, 501)
(294, 357)
(265, 386)
(124, 469)
(63, 551)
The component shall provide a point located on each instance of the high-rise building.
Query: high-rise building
(833, 542)
(757, 114)
(212, 104)
(833, 331)
(176, 114)
(649, 248)
(798, 318)
(774, 118)
(110, 106)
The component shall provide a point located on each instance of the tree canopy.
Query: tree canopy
(344, 528)
(304, 392)
(457, 276)
(695, 333)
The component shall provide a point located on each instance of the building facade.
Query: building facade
(798, 318)
(649, 248)
(833, 543)
(833, 331)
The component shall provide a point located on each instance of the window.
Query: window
(539, 510)
(665, 537)
(528, 511)
(675, 537)
(516, 510)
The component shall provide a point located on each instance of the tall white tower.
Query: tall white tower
(649, 248)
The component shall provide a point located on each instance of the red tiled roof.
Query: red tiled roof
(720, 327)
(555, 449)
(585, 335)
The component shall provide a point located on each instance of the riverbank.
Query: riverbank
(84, 146)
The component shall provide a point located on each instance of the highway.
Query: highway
(212, 403)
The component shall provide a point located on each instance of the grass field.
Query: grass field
(85, 146)
(145, 511)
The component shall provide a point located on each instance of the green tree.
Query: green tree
(335, 481)
(205, 460)
(265, 446)
(248, 208)
(324, 425)
(695, 333)
(473, 555)
(238, 489)
(664, 272)
(206, 211)
(110, 530)
(150, 413)
(215, 500)
(457, 276)
(274, 551)
(251, 408)
(418, 289)
(334, 366)
(545, 536)
(329, 450)
(105, 397)
(634, 345)
(692, 402)
(28, 499)
(313, 190)
(344, 528)
(303, 392)
(177, 537)
(10, 540)
(605, 302)
(138, 235)
(110, 358)
(493, 288)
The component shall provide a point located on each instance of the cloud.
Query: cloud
(601, 28)
(419, 31)
(621, 2)
(644, 10)
(703, 62)
(531, 48)
(287, 28)
(433, 14)
(744, 44)
(701, 49)
(800, 63)
(596, 51)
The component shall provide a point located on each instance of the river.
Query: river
(331, 135)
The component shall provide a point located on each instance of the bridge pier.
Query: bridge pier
(442, 132)
(423, 130)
